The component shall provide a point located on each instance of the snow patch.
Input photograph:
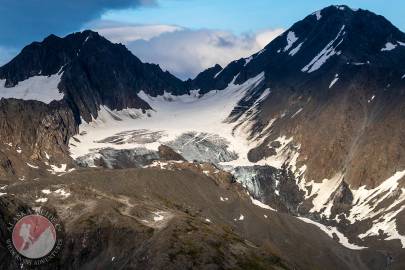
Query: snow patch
(386, 224)
(41, 200)
(40, 88)
(62, 193)
(331, 231)
(318, 15)
(366, 202)
(389, 47)
(296, 49)
(58, 169)
(360, 63)
(286, 153)
(158, 216)
(32, 166)
(222, 199)
(321, 193)
(261, 205)
(247, 60)
(371, 99)
(216, 75)
(291, 39)
(334, 81)
(325, 54)
(340, 7)
(296, 113)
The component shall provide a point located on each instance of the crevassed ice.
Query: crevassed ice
(172, 116)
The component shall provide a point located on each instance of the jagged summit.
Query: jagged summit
(94, 72)
(325, 40)
(47, 57)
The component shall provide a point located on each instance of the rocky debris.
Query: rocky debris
(167, 153)
(119, 159)
(109, 228)
(153, 218)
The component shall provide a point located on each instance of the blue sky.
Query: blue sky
(246, 15)
(183, 36)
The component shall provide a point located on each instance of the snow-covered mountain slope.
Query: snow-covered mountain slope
(51, 85)
(297, 124)
(203, 116)
(311, 126)
(199, 127)
(40, 88)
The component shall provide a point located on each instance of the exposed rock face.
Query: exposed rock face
(31, 129)
(337, 88)
(326, 119)
(95, 72)
(216, 77)
(167, 153)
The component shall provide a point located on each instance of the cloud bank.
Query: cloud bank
(185, 52)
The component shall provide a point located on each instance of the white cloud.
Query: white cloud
(263, 38)
(119, 33)
(185, 52)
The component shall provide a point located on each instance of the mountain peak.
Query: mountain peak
(329, 38)
(84, 35)
(50, 55)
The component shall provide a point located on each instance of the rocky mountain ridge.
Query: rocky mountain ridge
(311, 126)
